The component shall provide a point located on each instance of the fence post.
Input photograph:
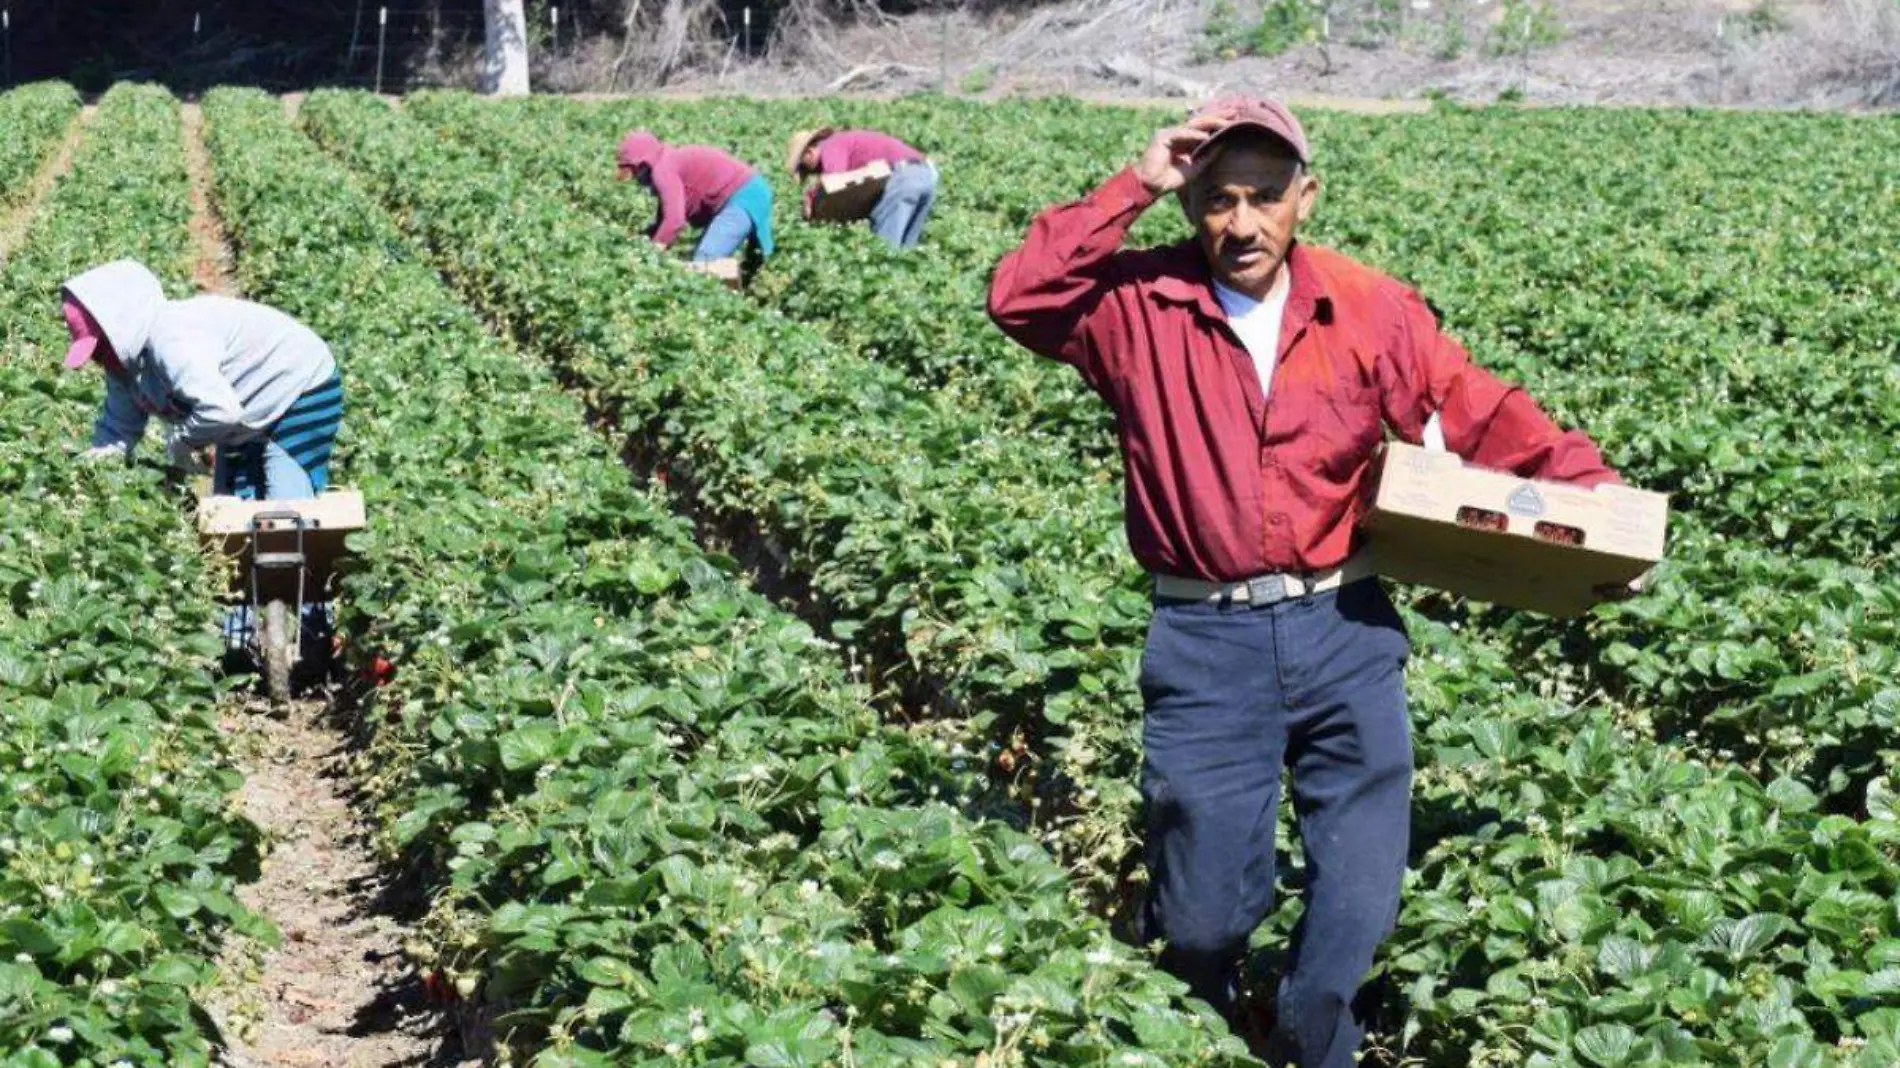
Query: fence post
(1721, 59)
(1151, 50)
(1524, 61)
(554, 16)
(747, 18)
(382, 37)
(6, 34)
(1326, 37)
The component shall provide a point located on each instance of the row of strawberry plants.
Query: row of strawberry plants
(34, 117)
(926, 535)
(119, 846)
(670, 828)
(924, 313)
(1708, 648)
(1569, 869)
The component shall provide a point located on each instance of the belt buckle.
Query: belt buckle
(1267, 589)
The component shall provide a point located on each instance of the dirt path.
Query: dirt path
(212, 272)
(336, 992)
(14, 226)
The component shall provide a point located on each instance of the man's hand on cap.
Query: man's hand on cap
(1167, 163)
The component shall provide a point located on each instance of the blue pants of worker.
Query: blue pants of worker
(902, 210)
(1234, 694)
(746, 216)
(265, 471)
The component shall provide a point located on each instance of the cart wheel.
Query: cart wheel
(277, 644)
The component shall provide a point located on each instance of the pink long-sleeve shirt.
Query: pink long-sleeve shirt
(847, 150)
(692, 183)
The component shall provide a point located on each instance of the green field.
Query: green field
(764, 662)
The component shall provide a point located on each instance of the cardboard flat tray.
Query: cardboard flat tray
(1491, 536)
(224, 524)
(726, 270)
(850, 195)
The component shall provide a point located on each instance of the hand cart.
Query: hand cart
(286, 555)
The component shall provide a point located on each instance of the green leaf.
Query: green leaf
(1796, 1051)
(1752, 934)
(178, 902)
(607, 971)
(528, 747)
(1606, 1045)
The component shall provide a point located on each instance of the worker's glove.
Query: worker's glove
(181, 456)
(117, 450)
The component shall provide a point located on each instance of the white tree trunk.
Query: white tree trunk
(505, 70)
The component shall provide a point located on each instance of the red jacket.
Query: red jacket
(1222, 484)
(692, 182)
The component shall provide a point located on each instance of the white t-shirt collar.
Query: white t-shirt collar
(1257, 322)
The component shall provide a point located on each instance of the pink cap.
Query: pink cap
(86, 335)
(638, 149)
(1242, 112)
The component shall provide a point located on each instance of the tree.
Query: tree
(505, 64)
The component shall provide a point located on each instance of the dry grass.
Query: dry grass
(1845, 55)
(1775, 54)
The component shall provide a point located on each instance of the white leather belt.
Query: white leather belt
(1265, 589)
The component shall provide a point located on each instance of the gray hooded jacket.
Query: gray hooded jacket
(223, 370)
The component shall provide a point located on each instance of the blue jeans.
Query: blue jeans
(284, 479)
(901, 212)
(1233, 695)
(747, 215)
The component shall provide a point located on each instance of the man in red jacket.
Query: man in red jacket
(1252, 378)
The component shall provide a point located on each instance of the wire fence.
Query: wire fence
(388, 48)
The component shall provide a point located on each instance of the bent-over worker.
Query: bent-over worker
(703, 186)
(909, 193)
(254, 383)
(251, 382)
(1252, 377)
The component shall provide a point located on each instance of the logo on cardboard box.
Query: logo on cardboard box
(1525, 501)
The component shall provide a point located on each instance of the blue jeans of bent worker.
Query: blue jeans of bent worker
(746, 215)
(904, 207)
(1234, 693)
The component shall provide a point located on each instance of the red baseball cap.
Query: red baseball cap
(1239, 111)
(87, 337)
